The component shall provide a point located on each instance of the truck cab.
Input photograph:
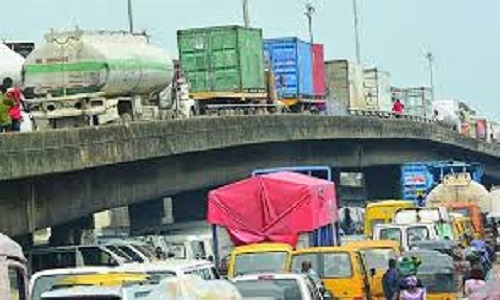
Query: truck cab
(437, 215)
(382, 213)
(406, 234)
(14, 273)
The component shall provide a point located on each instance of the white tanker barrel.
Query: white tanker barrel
(458, 188)
(114, 63)
(11, 64)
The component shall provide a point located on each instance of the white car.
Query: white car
(279, 286)
(174, 268)
(406, 234)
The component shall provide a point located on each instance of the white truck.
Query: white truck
(79, 78)
(13, 270)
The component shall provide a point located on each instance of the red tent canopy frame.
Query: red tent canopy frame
(273, 208)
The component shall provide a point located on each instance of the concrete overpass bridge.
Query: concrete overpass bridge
(53, 177)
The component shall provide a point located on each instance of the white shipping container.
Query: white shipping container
(344, 83)
(377, 89)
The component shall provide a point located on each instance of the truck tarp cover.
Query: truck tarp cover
(273, 207)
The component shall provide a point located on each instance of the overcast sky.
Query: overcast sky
(462, 34)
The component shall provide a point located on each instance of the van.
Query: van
(376, 256)
(406, 234)
(340, 268)
(74, 256)
(382, 213)
(259, 258)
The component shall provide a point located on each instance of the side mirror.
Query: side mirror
(373, 272)
(327, 295)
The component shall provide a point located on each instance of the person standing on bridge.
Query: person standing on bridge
(398, 108)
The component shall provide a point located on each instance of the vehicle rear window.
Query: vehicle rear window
(417, 234)
(298, 259)
(463, 211)
(393, 234)
(252, 263)
(337, 265)
(377, 258)
(288, 289)
(136, 257)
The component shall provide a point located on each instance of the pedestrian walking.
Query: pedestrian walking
(309, 271)
(390, 281)
(398, 108)
(413, 292)
(475, 282)
(15, 99)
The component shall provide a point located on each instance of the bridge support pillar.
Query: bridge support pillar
(383, 182)
(146, 215)
(70, 233)
(191, 206)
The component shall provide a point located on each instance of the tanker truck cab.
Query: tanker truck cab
(406, 234)
(259, 258)
(14, 274)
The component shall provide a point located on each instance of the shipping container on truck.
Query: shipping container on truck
(483, 129)
(417, 100)
(377, 89)
(421, 177)
(225, 67)
(318, 70)
(344, 84)
(291, 61)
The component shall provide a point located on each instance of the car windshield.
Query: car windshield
(260, 262)
(417, 234)
(463, 211)
(377, 258)
(273, 289)
(393, 234)
(438, 283)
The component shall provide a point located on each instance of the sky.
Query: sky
(394, 34)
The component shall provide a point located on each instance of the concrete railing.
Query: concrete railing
(389, 115)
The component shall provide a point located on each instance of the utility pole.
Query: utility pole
(356, 31)
(430, 59)
(130, 17)
(310, 10)
(246, 16)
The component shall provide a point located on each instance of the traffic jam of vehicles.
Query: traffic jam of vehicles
(280, 234)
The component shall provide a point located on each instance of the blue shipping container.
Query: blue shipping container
(291, 61)
(423, 176)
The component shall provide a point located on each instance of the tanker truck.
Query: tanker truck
(460, 194)
(79, 78)
(11, 64)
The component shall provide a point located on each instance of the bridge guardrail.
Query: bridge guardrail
(388, 115)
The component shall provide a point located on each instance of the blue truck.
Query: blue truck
(325, 236)
(421, 177)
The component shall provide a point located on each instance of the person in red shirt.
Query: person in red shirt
(398, 108)
(15, 97)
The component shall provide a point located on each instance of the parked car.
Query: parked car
(74, 256)
(279, 286)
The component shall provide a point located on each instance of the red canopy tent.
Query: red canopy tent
(274, 207)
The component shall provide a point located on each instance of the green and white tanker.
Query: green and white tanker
(96, 77)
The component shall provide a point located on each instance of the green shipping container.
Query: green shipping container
(225, 59)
